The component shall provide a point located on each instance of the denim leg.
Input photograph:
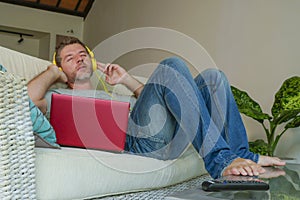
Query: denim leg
(154, 121)
(171, 113)
(223, 110)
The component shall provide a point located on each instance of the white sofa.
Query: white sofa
(72, 173)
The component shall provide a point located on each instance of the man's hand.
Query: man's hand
(61, 76)
(115, 74)
(270, 161)
(243, 167)
(272, 172)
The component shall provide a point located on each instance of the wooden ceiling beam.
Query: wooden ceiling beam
(56, 8)
(57, 4)
(77, 5)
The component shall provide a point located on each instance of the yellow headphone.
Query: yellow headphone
(94, 65)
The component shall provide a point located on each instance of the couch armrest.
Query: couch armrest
(17, 156)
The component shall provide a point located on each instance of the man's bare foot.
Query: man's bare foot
(272, 172)
(244, 167)
(270, 161)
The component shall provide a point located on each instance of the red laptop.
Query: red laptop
(89, 122)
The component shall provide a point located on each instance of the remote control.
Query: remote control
(225, 184)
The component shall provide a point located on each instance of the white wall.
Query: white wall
(256, 43)
(39, 20)
(29, 46)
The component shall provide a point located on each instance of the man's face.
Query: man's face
(76, 63)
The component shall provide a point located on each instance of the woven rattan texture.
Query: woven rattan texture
(162, 193)
(17, 158)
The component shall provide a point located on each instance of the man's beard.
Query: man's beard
(83, 76)
(80, 77)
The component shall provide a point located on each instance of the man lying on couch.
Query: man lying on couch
(171, 111)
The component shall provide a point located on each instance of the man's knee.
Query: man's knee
(175, 64)
(213, 76)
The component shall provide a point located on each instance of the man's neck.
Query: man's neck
(87, 85)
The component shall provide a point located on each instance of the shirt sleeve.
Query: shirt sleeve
(48, 97)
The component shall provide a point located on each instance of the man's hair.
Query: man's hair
(66, 41)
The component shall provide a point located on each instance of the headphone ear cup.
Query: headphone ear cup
(53, 59)
(94, 63)
(54, 62)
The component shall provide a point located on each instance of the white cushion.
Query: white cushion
(21, 64)
(72, 173)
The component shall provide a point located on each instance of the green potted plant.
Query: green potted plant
(285, 114)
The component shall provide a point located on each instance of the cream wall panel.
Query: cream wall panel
(40, 20)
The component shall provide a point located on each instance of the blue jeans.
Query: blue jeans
(174, 110)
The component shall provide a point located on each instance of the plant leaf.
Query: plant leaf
(288, 96)
(259, 146)
(286, 115)
(294, 123)
(248, 106)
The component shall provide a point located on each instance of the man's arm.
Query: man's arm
(132, 84)
(39, 85)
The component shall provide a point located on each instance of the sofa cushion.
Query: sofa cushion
(23, 65)
(73, 173)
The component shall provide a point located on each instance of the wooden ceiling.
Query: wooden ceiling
(72, 7)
